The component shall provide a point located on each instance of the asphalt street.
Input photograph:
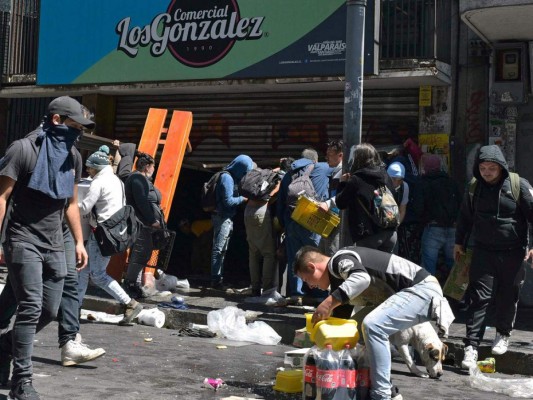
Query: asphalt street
(168, 366)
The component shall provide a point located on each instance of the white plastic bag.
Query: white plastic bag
(230, 322)
(517, 387)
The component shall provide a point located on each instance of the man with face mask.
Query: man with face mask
(37, 181)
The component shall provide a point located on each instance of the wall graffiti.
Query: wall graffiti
(475, 132)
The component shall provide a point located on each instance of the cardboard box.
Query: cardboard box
(457, 282)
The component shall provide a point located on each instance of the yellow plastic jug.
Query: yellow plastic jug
(334, 331)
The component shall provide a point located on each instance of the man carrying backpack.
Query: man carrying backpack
(226, 203)
(495, 213)
(296, 235)
(437, 204)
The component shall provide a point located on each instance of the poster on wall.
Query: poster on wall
(174, 40)
(436, 143)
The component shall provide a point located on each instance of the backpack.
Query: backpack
(300, 186)
(119, 232)
(515, 188)
(385, 213)
(209, 191)
(258, 183)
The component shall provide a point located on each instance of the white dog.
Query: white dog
(425, 341)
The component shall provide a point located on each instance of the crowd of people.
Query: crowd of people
(50, 261)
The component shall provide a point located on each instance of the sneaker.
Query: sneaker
(500, 344)
(23, 390)
(74, 353)
(149, 291)
(5, 367)
(131, 310)
(395, 393)
(470, 358)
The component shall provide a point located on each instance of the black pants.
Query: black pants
(495, 276)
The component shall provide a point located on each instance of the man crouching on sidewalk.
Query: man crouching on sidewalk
(348, 273)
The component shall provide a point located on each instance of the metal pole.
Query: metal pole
(353, 91)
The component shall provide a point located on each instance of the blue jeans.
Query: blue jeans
(37, 277)
(96, 268)
(222, 230)
(400, 311)
(297, 237)
(67, 315)
(434, 239)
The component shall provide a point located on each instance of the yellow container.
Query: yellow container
(334, 331)
(290, 381)
(308, 214)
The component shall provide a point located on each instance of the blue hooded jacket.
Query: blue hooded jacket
(227, 198)
(319, 177)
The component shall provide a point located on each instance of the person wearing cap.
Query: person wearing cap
(145, 199)
(396, 172)
(38, 178)
(104, 198)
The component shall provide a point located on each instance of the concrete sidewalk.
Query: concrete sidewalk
(286, 320)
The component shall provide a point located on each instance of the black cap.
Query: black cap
(69, 107)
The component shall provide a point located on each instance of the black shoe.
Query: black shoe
(5, 366)
(23, 390)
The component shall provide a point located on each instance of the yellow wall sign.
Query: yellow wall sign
(424, 96)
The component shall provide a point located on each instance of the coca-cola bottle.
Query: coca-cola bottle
(309, 391)
(327, 374)
(348, 375)
(363, 376)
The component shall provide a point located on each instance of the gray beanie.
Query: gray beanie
(98, 160)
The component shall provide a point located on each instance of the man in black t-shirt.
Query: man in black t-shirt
(32, 205)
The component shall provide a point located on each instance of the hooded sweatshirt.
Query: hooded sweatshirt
(360, 189)
(492, 216)
(227, 198)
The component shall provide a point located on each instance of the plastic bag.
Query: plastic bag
(230, 322)
(513, 387)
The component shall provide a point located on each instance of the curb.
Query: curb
(512, 362)
(285, 322)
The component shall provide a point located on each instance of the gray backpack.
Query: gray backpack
(301, 185)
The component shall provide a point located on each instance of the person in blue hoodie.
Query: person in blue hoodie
(227, 201)
(296, 235)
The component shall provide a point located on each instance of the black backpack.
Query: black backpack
(209, 191)
(119, 232)
(258, 183)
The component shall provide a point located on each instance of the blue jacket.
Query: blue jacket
(227, 197)
(319, 177)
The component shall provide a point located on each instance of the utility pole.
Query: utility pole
(353, 91)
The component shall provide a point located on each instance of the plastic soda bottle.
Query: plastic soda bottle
(363, 376)
(327, 374)
(310, 358)
(348, 375)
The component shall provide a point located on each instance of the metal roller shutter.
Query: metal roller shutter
(267, 126)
